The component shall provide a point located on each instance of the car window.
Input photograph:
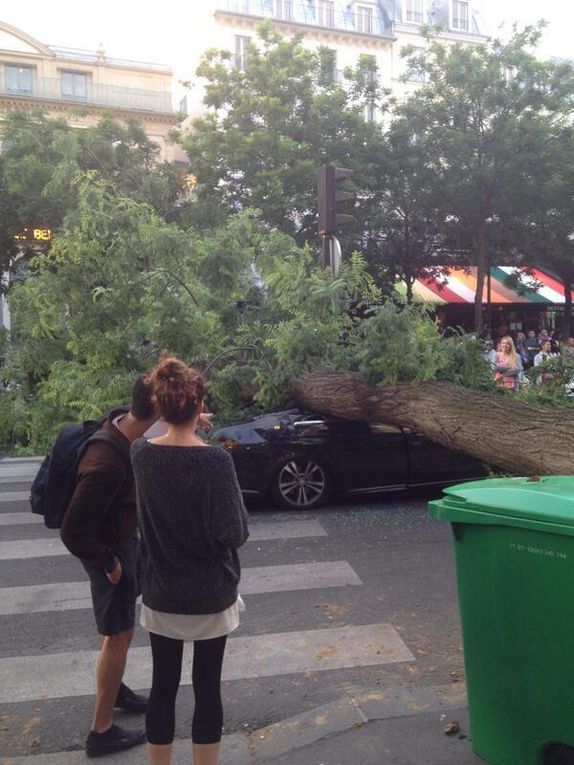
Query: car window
(380, 428)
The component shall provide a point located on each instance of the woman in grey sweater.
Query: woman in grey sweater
(192, 520)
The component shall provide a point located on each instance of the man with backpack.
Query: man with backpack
(100, 528)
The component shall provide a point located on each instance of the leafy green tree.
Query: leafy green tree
(481, 121)
(404, 231)
(41, 157)
(270, 125)
(118, 285)
(548, 223)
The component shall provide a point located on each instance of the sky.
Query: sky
(172, 29)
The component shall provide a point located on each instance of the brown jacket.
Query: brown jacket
(102, 510)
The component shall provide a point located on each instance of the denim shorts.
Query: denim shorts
(115, 604)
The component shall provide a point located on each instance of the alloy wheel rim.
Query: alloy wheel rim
(301, 483)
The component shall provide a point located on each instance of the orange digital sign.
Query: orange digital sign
(34, 235)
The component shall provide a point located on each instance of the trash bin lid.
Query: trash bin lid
(534, 503)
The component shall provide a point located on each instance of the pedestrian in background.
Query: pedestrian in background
(192, 520)
(542, 357)
(568, 351)
(100, 528)
(521, 348)
(532, 346)
(508, 368)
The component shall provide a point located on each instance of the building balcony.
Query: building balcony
(316, 14)
(89, 94)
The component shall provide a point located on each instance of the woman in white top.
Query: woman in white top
(544, 355)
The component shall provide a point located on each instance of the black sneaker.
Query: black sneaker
(130, 701)
(115, 739)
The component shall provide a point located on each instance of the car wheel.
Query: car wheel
(301, 484)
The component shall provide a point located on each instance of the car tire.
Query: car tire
(301, 483)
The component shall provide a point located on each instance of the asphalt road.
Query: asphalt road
(346, 598)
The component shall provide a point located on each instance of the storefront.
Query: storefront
(512, 300)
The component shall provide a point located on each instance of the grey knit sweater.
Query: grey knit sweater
(192, 520)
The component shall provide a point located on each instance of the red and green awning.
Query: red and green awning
(459, 286)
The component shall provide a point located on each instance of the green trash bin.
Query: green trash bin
(514, 550)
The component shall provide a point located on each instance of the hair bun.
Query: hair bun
(178, 390)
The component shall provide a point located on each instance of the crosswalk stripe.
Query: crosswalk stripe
(32, 678)
(19, 519)
(258, 532)
(14, 496)
(38, 459)
(23, 472)
(68, 596)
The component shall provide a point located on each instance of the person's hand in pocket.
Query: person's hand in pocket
(115, 574)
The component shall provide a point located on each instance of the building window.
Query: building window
(326, 13)
(509, 73)
(370, 112)
(241, 44)
(460, 15)
(368, 63)
(284, 10)
(413, 74)
(19, 79)
(415, 11)
(75, 85)
(364, 19)
(328, 60)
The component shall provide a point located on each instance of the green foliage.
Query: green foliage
(476, 162)
(267, 127)
(73, 392)
(550, 382)
(306, 319)
(118, 285)
(465, 363)
(397, 343)
(14, 421)
(483, 124)
(42, 156)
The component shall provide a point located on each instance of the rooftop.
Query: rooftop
(339, 16)
(371, 17)
(100, 57)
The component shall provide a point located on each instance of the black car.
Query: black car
(299, 459)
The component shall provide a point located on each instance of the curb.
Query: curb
(340, 716)
(294, 733)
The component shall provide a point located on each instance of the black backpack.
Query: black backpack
(55, 482)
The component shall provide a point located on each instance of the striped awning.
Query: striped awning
(459, 286)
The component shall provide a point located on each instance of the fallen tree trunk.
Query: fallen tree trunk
(525, 439)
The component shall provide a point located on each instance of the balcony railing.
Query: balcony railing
(51, 89)
(309, 14)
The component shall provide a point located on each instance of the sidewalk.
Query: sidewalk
(399, 726)
(396, 726)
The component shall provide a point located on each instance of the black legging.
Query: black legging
(167, 655)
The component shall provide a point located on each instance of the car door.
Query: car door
(370, 457)
(430, 463)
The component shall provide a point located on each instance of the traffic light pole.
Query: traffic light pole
(331, 253)
(329, 202)
(326, 259)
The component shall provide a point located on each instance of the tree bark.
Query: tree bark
(524, 439)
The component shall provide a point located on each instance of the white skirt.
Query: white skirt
(192, 626)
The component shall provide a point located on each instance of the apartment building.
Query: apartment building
(349, 28)
(82, 86)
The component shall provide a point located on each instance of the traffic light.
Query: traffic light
(330, 198)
